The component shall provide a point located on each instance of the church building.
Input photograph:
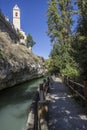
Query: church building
(17, 22)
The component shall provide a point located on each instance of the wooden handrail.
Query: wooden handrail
(42, 109)
(78, 84)
(38, 115)
(79, 89)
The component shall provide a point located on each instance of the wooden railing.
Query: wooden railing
(38, 114)
(77, 89)
(42, 109)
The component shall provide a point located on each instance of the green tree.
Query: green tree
(59, 22)
(30, 42)
(80, 44)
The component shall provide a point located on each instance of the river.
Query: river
(14, 105)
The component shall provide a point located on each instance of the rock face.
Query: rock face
(17, 63)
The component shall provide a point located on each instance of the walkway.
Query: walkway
(64, 112)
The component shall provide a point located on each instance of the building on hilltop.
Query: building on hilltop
(17, 23)
(16, 17)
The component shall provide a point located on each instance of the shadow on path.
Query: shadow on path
(64, 112)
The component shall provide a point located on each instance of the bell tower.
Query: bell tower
(16, 17)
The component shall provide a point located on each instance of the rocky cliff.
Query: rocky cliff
(17, 63)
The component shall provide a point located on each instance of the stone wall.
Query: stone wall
(7, 26)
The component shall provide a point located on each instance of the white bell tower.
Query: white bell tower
(16, 17)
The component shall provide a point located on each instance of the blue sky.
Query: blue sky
(33, 21)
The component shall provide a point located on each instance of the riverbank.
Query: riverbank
(17, 63)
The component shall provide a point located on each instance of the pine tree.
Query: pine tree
(30, 41)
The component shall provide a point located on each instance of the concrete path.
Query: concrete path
(64, 112)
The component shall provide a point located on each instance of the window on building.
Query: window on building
(16, 14)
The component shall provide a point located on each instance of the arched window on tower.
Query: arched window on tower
(16, 14)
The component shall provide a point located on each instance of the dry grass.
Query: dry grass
(14, 51)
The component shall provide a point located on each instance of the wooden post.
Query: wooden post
(85, 89)
(66, 80)
(85, 92)
(30, 121)
(63, 78)
(41, 92)
(42, 115)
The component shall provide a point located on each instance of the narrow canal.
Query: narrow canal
(14, 105)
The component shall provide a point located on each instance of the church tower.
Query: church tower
(16, 17)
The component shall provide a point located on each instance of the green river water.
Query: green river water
(14, 105)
